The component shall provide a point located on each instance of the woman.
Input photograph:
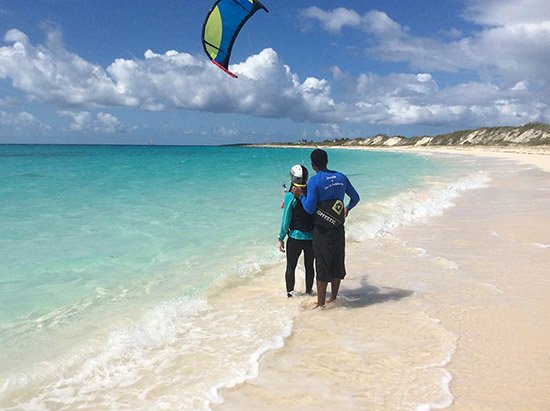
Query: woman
(298, 226)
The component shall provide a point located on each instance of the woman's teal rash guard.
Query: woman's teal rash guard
(290, 203)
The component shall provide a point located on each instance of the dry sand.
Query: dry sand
(453, 311)
(538, 156)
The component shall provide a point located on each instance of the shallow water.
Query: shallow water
(148, 276)
(446, 309)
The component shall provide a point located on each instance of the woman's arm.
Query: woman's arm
(287, 215)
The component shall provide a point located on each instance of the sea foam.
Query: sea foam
(131, 227)
(115, 363)
(411, 206)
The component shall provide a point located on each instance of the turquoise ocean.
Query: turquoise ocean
(148, 277)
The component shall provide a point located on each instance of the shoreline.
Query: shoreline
(538, 156)
(468, 285)
(445, 305)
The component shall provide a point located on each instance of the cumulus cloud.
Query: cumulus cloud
(22, 121)
(54, 75)
(328, 131)
(417, 99)
(227, 131)
(267, 87)
(172, 80)
(86, 121)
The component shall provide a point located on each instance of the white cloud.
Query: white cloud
(331, 130)
(22, 121)
(86, 121)
(452, 33)
(512, 45)
(109, 123)
(226, 131)
(267, 87)
(52, 74)
(520, 86)
(508, 12)
(417, 99)
(424, 77)
(333, 20)
(11, 101)
(380, 23)
(80, 119)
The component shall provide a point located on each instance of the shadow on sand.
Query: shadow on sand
(367, 295)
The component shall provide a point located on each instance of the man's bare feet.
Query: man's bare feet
(319, 306)
(331, 299)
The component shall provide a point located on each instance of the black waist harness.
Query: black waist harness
(330, 214)
(301, 220)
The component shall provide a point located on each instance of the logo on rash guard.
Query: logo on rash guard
(338, 207)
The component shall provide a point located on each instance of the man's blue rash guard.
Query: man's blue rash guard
(328, 185)
(290, 203)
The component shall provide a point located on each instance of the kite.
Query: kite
(221, 27)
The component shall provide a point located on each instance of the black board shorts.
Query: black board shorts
(329, 251)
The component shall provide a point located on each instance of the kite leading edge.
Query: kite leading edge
(221, 27)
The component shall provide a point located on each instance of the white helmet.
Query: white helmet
(299, 175)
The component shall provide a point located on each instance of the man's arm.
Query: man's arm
(309, 201)
(352, 194)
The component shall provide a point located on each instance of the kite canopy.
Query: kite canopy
(221, 27)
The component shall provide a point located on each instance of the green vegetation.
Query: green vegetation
(532, 134)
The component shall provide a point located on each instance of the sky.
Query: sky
(134, 71)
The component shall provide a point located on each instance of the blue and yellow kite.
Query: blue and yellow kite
(221, 27)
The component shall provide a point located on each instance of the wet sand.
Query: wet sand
(452, 311)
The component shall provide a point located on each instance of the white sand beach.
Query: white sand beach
(538, 156)
(451, 311)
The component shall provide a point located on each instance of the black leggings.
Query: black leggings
(293, 250)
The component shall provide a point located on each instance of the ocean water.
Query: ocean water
(148, 277)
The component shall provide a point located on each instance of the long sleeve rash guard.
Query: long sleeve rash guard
(289, 204)
(328, 185)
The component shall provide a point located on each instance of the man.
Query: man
(325, 199)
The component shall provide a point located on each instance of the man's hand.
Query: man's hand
(282, 246)
(346, 211)
(297, 191)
